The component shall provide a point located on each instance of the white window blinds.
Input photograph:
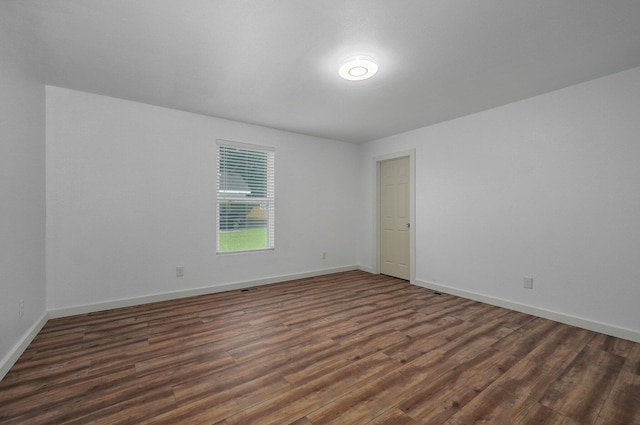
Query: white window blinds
(245, 208)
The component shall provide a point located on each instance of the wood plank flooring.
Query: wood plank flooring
(348, 348)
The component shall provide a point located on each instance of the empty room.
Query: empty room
(234, 212)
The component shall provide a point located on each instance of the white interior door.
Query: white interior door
(395, 251)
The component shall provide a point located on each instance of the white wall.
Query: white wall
(131, 195)
(548, 187)
(22, 185)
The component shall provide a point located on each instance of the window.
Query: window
(245, 201)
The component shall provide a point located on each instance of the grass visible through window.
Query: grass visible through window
(238, 240)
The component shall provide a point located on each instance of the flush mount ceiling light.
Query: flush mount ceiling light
(358, 68)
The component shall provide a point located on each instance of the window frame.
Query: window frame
(269, 198)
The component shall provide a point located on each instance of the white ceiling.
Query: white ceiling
(274, 63)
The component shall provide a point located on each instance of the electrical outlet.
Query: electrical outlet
(179, 271)
(528, 282)
(20, 308)
(324, 255)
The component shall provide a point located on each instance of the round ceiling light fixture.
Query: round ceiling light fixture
(358, 68)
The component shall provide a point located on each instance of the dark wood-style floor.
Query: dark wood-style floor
(348, 348)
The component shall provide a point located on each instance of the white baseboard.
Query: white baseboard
(12, 357)
(580, 322)
(365, 268)
(128, 302)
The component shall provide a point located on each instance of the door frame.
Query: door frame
(412, 209)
